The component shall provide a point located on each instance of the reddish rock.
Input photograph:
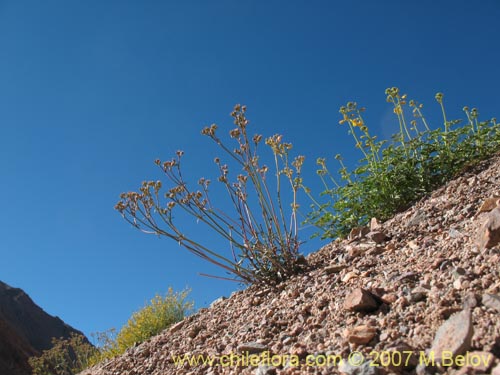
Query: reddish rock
(334, 268)
(361, 300)
(374, 224)
(489, 234)
(377, 236)
(361, 334)
(489, 204)
(358, 233)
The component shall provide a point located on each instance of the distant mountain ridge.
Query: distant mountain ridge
(25, 330)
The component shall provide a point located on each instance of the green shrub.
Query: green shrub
(66, 357)
(394, 174)
(159, 314)
(262, 233)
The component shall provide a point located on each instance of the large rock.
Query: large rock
(453, 336)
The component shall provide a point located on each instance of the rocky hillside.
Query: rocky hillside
(410, 295)
(25, 330)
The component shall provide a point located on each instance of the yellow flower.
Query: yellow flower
(357, 122)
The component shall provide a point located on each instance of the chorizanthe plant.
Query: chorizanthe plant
(261, 232)
(394, 174)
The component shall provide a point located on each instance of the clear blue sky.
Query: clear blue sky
(91, 92)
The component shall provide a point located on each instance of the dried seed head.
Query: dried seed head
(257, 138)
(235, 133)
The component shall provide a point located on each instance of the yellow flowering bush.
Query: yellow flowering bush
(159, 314)
(394, 174)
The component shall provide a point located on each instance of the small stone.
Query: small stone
(376, 250)
(470, 301)
(256, 301)
(349, 275)
(176, 327)
(361, 334)
(390, 247)
(374, 224)
(384, 336)
(445, 264)
(407, 276)
(491, 301)
(418, 294)
(358, 233)
(417, 218)
(437, 263)
(377, 236)
(457, 284)
(489, 234)
(413, 245)
(252, 348)
(335, 268)
(453, 233)
(454, 335)
(193, 332)
(389, 298)
(488, 205)
(265, 370)
(354, 251)
(299, 350)
(361, 300)
(263, 292)
(366, 368)
(457, 272)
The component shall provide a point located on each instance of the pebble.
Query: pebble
(491, 301)
(488, 205)
(365, 369)
(489, 234)
(265, 370)
(360, 300)
(361, 334)
(252, 348)
(377, 236)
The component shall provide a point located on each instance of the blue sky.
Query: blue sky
(92, 92)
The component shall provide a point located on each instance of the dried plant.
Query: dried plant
(261, 233)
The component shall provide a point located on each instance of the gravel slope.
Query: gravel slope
(426, 267)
